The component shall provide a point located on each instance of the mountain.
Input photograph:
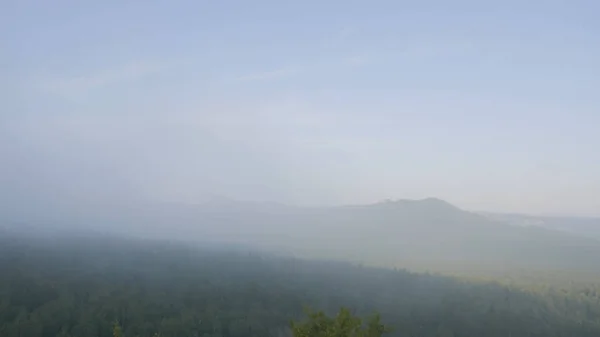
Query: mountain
(432, 232)
(425, 233)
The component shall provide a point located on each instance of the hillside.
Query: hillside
(419, 233)
(69, 286)
(428, 231)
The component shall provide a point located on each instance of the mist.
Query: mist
(353, 112)
(216, 169)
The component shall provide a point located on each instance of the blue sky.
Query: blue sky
(489, 105)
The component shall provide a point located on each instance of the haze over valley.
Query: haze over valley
(299, 169)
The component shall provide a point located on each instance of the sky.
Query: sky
(490, 105)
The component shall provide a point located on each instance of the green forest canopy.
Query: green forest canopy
(80, 287)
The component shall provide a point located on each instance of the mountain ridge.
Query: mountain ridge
(393, 232)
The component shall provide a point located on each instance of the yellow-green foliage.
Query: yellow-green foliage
(344, 324)
(117, 331)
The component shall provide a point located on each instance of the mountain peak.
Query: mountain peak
(436, 202)
(430, 202)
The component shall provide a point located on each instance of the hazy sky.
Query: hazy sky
(491, 105)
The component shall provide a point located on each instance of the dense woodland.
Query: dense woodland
(80, 286)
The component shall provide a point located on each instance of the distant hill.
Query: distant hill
(429, 232)
(432, 232)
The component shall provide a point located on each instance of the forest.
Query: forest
(82, 285)
(299, 168)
